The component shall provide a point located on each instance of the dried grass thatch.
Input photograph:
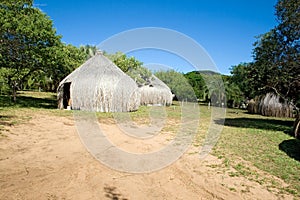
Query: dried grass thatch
(99, 85)
(156, 93)
(270, 105)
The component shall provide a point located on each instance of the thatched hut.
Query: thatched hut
(98, 85)
(156, 93)
(270, 105)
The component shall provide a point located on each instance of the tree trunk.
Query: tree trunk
(14, 92)
(297, 126)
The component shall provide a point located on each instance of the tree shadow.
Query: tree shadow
(5, 120)
(29, 102)
(291, 148)
(265, 124)
(111, 193)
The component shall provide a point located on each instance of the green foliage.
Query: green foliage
(141, 75)
(240, 79)
(178, 84)
(67, 59)
(132, 67)
(234, 95)
(89, 50)
(4, 87)
(215, 88)
(28, 41)
(204, 85)
(197, 82)
(277, 55)
(123, 62)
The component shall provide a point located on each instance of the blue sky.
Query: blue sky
(225, 29)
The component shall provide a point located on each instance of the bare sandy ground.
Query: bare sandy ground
(45, 159)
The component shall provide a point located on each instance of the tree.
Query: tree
(234, 95)
(197, 82)
(132, 67)
(66, 58)
(27, 41)
(277, 57)
(215, 89)
(89, 50)
(124, 62)
(141, 75)
(240, 79)
(178, 84)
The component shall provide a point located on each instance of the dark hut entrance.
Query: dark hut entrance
(66, 94)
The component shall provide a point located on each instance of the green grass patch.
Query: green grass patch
(45, 100)
(28, 102)
(264, 142)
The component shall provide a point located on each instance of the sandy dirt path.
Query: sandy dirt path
(45, 159)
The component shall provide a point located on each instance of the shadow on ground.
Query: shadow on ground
(112, 193)
(29, 102)
(5, 120)
(265, 124)
(291, 148)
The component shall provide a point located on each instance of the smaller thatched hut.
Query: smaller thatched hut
(155, 93)
(98, 85)
(270, 105)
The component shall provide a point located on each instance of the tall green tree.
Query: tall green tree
(178, 84)
(197, 82)
(66, 59)
(240, 78)
(234, 94)
(215, 89)
(27, 41)
(277, 57)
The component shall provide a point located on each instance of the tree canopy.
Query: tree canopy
(31, 53)
(178, 84)
(197, 82)
(276, 60)
(132, 67)
(28, 41)
(277, 55)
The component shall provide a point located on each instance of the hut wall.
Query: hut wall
(155, 95)
(270, 105)
(157, 92)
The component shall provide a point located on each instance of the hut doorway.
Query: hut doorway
(66, 95)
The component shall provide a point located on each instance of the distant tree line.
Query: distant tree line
(203, 86)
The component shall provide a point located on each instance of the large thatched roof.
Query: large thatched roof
(99, 85)
(156, 93)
